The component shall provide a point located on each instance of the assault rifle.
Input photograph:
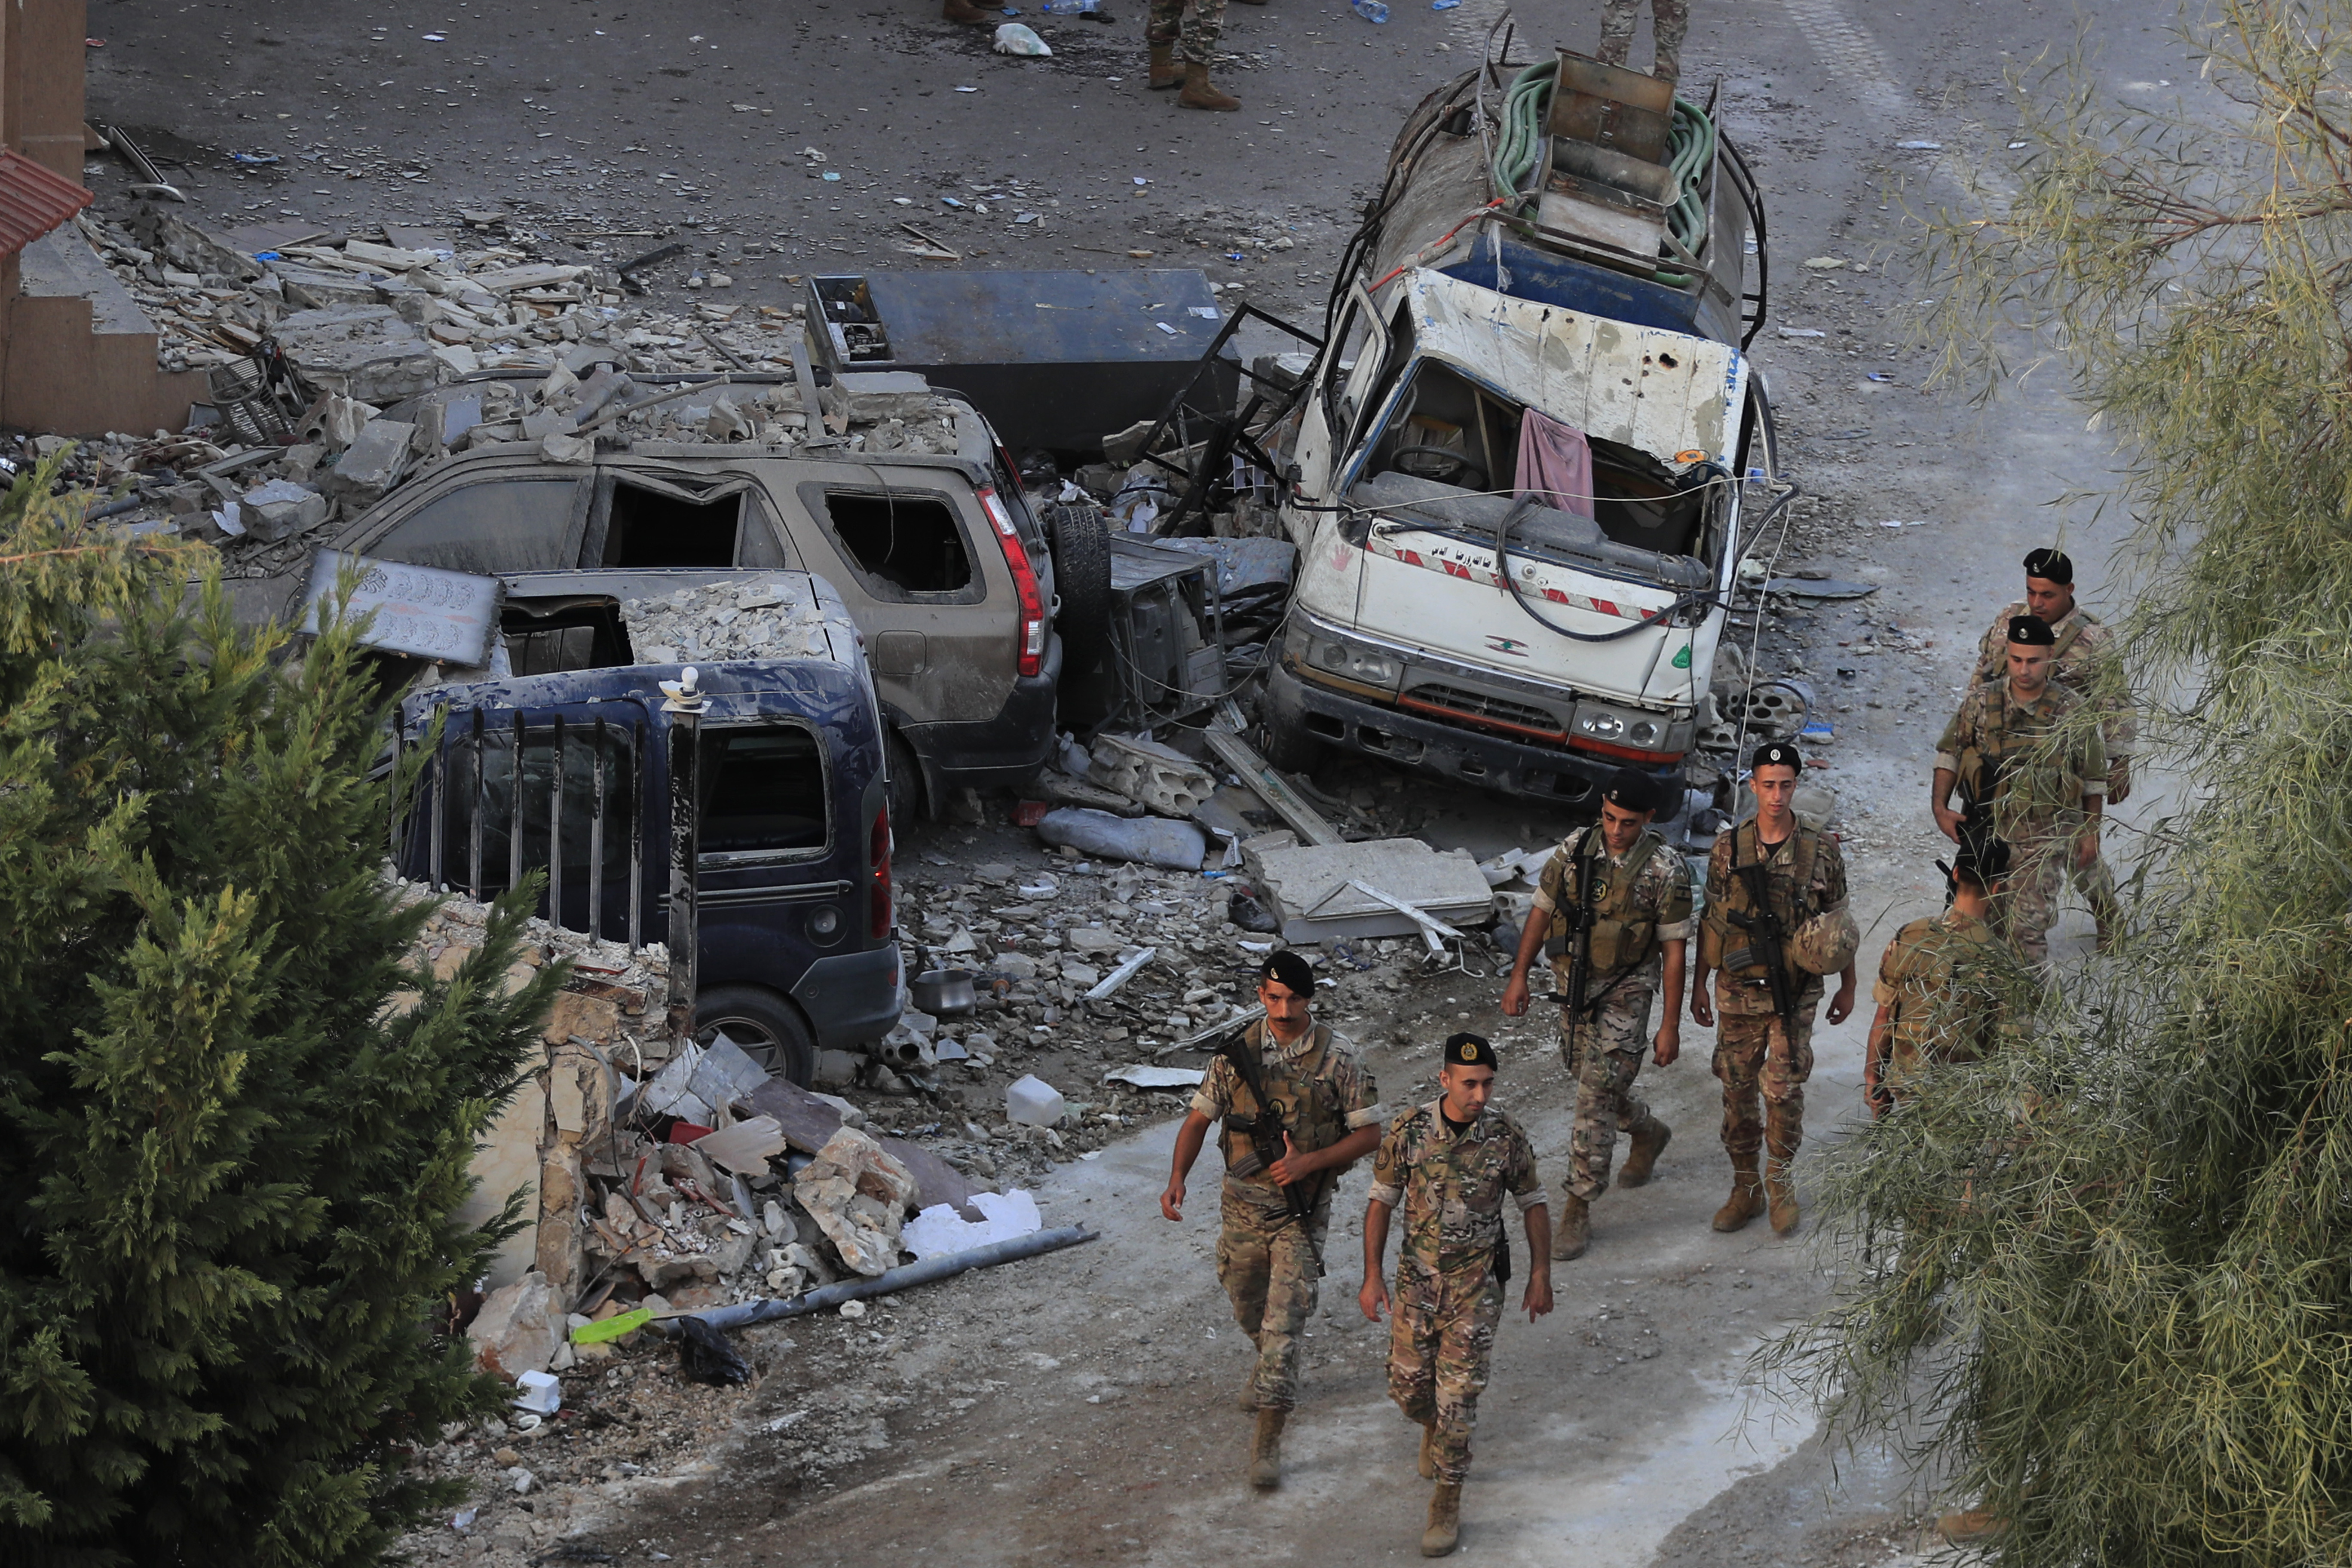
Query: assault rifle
(1264, 1129)
(1977, 797)
(1580, 930)
(1767, 940)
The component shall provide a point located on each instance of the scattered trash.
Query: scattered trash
(1109, 984)
(1880, 376)
(705, 1356)
(1149, 840)
(1142, 1077)
(606, 1330)
(1369, 10)
(463, 1520)
(256, 158)
(1825, 264)
(1803, 332)
(940, 1230)
(541, 1393)
(1018, 38)
(1919, 146)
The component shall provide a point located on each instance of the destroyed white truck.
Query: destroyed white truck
(1531, 447)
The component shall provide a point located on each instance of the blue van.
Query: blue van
(795, 945)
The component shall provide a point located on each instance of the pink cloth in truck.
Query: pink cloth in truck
(1555, 464)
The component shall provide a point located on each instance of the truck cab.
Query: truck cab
(1531, 449)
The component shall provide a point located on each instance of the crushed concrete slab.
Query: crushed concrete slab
(1304, 878)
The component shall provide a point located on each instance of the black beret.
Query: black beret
(1288, 969)
(1468, 1050)
(2031, 631)
(1777, 754)
(2050, 566)
(1631, 789)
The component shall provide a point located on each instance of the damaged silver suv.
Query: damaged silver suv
(904, 502)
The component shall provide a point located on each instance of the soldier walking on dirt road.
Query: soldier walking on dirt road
(1776, 922)
(1182, 34)
(2044, 803)
(1448, 1166)
(1298, 1108)
(1613, 906)
(1670, 20)
(2082, 655)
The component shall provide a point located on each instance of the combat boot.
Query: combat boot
(1747, 1200)
(965, 11)
(1574, 1233)
(1165, 69)
(1649, 1140)
(1782, 1193)
(1444, 1521)
(1428, 1464)
(1198, 93)
(1265, 1449)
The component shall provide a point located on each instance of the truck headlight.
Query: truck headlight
(1356, 664)
(1623, 727)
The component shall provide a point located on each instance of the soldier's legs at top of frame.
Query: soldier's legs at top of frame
(1271, 1273)
(1441, 1343)
(1670, 23)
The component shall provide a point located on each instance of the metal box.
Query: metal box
(1056, 360)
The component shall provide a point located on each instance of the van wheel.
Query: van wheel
(769, 1029)
(1288, 747)
(1082, 577)
(902, 780)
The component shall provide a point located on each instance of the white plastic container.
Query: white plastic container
(1032, 1101)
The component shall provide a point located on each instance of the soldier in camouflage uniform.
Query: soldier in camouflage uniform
(2083, 652)
(2046, 809)
(1448, 1166)
(1938, 982)
(1268, 1257)
(1670, 21)
(1757, 1052)
(1641, 906)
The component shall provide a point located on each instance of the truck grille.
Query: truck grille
(1480, 709)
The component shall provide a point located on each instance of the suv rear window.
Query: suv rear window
(763, 791)
(904, 547)
(496, 526)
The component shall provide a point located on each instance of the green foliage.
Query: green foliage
(2112, 1274)
(231, 1171)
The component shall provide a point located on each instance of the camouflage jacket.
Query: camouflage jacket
(1337, 1095)
(2085, 644)
(1939, 979)
(1655, 910)
(1450, 1187)
(2029, 799)
(1742, 991)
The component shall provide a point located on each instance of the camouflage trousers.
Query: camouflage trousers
(2039, 864)
(1192, 26)
(1752, 1066)
(1670, 19)
(1270, 1270)
(1441, 1343)
(1605, 1056)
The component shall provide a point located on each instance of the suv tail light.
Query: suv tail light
(1031, 646)
(877, 861)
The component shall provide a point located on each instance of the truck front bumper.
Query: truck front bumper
(1467, 757)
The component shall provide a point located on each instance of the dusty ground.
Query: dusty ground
(1077, 1408)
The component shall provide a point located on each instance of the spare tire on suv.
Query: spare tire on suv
(1081, 549)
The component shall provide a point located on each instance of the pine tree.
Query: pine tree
(230, 1168)
(2109, 1290)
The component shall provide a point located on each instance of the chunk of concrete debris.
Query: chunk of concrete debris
(376, 459)
(559, 447)
(1033, 1103)
(859, 1196)
(1141, 1076)
(1150, 773)
(364, 351)
(518, 1329)
(281, 508)
(334, 421)
(1306, 887)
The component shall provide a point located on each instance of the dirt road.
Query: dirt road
(1080, 1407)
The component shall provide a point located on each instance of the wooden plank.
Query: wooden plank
(1269, 785)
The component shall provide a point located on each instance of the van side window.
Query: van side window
(647, 528)
(496, 526)
(906, 546)
(763, 791)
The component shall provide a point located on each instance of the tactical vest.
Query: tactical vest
(1623, 934)
(1303, 1096)
(2000, 756)
(1939, 1014)
(1803, 854)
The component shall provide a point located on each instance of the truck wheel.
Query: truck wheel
(769, 1029)
(1082, 577)
(902, 780)
(1286, 745)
